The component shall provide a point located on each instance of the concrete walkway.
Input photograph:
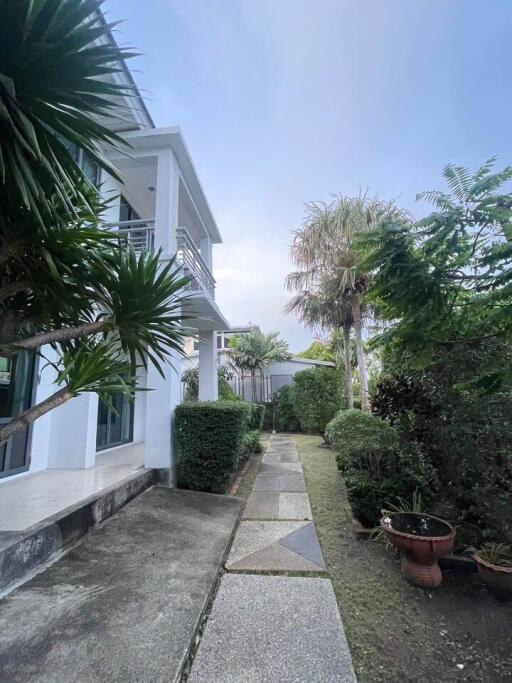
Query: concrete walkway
(275, 618)
(126, 603)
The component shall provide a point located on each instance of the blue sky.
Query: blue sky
(287, 101)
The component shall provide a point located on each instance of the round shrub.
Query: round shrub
(316, 396)
(256, 417)
(360, 439)
(250, 444)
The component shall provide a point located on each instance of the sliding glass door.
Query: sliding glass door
(115, 422)
(16, 378)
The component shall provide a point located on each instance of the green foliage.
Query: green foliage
(55, 63)
(190, 377)
(447, 279)
(250, 443)
(316, 397)
(318, 350)
(285, 418)
(361, 440)
(256, 417)
(209, 436)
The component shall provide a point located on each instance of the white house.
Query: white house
(160, 205)
(274, 376)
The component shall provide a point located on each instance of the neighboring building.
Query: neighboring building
(161, 205)
(274, 376)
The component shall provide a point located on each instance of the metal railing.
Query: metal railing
(193, 263)
(139, 234)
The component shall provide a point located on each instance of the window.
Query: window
(126, 211)
(115, 422)
(196, 344)
(90, 168)
(219, 342)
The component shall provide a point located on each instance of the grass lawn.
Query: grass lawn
(397, 632)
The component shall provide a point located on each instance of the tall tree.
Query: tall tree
(253, 351)
(329, 258)
(64, 282)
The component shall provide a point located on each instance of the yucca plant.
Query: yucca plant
(64, 281)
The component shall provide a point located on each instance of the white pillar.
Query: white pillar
(205, 247)
(166, 202)
(208, 379)
(160, 404)
(73, 433)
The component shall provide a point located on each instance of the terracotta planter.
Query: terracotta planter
(422, 539)
(497, 578)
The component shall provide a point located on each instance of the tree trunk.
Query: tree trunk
(361, 358)
(253, 386)
(29, 416)
(348, 366)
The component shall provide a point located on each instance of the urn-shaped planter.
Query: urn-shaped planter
(497, 577)
(422, 540)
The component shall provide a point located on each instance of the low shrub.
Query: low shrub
(209, 437)
(256, 416)
(316, 397)
(284, 417)
(360, 439)
(250, 444)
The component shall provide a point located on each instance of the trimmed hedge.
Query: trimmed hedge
(316, 397)
(209, 436)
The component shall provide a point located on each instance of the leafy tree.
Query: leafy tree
(316, 398)
(190, 378)
(447, 279)
(253, 351)
(318, 350)
(330, 280)
(65, 282)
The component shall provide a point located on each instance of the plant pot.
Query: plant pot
(497, 578)
(422, 540)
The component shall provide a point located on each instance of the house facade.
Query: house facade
(160, 205)
(274, 376)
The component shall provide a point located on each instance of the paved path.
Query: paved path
(275, 618)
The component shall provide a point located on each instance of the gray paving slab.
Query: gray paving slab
(280, 468)
(264, 505)
(270, 629)
(275, 558)
(304, 542)
(253, 536)
(273, 458)
(294, 506)
(293, 482)
(124, 605)
(273, 505)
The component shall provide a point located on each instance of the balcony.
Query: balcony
(140, 234)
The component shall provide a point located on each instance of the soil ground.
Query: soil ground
(396, 632)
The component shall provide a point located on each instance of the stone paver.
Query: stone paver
(292, 482)
(280, 468)
(278, 458)
(279, 546)
(270, 629)
(275, 505)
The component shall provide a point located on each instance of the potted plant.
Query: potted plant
(422, 540)
(494, 563)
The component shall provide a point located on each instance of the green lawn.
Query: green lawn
(396, 632)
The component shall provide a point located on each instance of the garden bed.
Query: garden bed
(396, 632)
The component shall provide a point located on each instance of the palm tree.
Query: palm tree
(253, 351)
(64, 281)
(321, 310)
(328, 256)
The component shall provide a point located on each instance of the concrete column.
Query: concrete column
(205, 247)
(73, 433)
(161, 402)
(166, 202)
(208, 378)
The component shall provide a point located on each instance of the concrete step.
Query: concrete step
(23, 551)
(127, 602)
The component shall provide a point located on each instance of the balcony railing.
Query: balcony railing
(140, 234)
(193, 263)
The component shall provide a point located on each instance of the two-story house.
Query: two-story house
(160, 205)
